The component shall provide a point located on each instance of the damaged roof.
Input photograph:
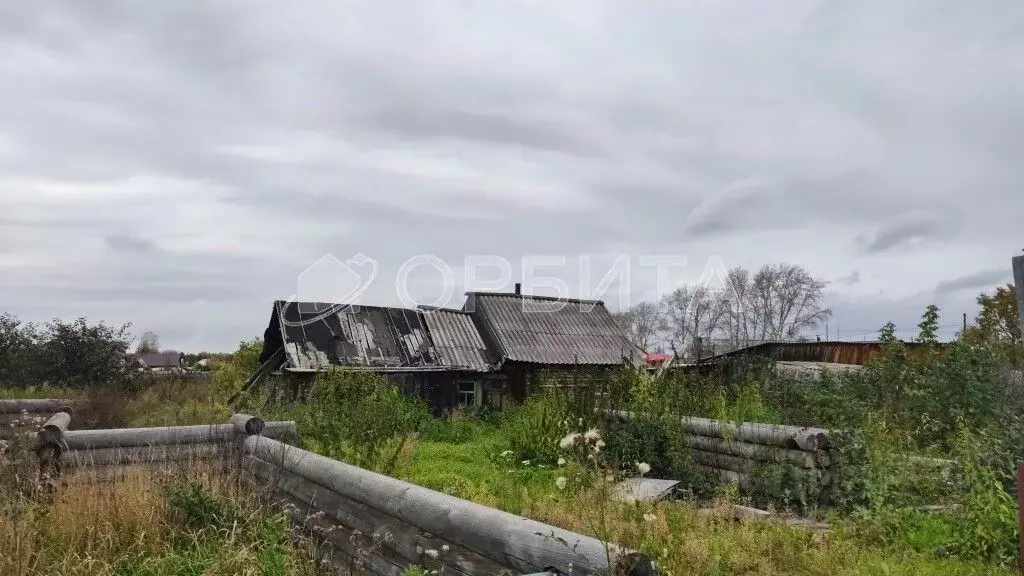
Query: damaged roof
(551, 331)
(317, 335)
(456, 338)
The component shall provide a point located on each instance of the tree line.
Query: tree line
(775, 302)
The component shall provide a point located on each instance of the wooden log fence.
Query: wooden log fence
(359, 520)
(388, 524)
(24, 417)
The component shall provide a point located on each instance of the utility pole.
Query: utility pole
(965, 322)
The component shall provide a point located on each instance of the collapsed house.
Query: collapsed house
(489, 352)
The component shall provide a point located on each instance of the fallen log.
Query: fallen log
(520, 543)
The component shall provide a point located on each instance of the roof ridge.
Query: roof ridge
(535, 297)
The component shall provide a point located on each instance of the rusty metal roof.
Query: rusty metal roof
(456, 338)
(837, 352)
(317, 335)
(553, 331)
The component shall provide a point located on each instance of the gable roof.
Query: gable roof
(551, 331)
(165, 359)
(456, 338)
(317, 335)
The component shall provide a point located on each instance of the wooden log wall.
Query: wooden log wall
(166, 448)
(368, 521)
(737, 452)
(360, 521)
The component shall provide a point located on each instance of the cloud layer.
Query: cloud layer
(177, 165)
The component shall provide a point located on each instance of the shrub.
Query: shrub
(354, 415)
(533, 429)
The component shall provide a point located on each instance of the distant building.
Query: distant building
(168, 360)
(489, 352)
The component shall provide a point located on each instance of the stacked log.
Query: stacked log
(158, 449)
(24, 417)
(365, 520)
(735, 452)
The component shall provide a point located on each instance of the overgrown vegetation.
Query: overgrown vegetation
(925, 440)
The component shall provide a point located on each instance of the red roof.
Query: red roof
(655, 357)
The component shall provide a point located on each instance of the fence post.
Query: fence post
(1020, 516)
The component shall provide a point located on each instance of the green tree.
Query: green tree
(998, 324)
(929, 326)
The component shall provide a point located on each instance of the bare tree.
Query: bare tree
(641, 323)
(797, 301)
(778, 301)
(676, 316)
(148, 343)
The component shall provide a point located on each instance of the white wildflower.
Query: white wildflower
(507, 453)
(561, 482)
(432, 553)
(648, 517)
(526, 462)
(593, 434)
(643, 467)
(561, 461)
(579, 422)
(568, 441)
(445, 548)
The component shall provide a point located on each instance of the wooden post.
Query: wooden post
(1020, 516)
(1018, 281)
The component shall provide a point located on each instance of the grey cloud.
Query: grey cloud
(656, 135)
(902, 235)
(852, 279)
(983, 280)
(129, 243)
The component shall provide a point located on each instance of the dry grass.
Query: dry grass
(186, 519)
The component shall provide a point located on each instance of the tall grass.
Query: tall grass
(192, 521)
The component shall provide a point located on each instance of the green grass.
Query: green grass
(684, 538)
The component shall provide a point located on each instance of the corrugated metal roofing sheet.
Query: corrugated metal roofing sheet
(541, 330)
(456, 339)
(316, 335)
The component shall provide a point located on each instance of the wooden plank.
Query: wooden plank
(525, 544)
(407, 542)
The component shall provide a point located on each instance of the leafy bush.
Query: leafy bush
(354, 416)
(73, 354)
(532, 430)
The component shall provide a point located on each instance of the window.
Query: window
(469, 393)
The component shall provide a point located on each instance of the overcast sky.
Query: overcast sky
(178, 165)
